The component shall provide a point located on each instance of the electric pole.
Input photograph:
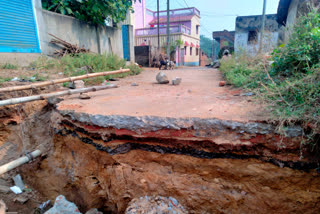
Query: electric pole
(262, 25)
(158, 25)
(168, 29)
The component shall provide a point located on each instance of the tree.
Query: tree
(206, 45)
(92, 11)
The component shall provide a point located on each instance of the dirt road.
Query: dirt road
(199, 95)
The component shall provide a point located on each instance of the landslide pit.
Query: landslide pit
(209, 165)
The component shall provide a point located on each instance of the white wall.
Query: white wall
(269, 43)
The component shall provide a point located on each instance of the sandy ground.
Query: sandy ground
(199, 95)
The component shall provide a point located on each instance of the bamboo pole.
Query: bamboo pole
(56, 94)
(58, 81)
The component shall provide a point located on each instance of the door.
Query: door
(18, 30)
(125, 42)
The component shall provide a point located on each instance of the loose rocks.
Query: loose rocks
(62, 206)
(222, 83)
(176, 81)
(84, 96)
(76, 84)
(162, 78)
(155, 204)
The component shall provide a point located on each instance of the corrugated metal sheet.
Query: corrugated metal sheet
(18, 31)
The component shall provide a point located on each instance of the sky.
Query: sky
(218, 15)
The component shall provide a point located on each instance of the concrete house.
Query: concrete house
(222, 39)
(290, 10)
(248, 33)
(184, 26)
(25, 29)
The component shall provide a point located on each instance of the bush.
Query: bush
(303, 49)
(243, 71)
(291, 85)
(71, 64)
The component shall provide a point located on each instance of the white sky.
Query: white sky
(217, 15)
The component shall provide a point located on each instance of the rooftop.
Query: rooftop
(177, 15)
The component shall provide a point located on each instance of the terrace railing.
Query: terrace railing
(163, 30)
(176, 12)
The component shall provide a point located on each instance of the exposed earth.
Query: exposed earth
(209, 147)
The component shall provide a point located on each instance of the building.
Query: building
(290, 10)
(25, 29)
(224, 39)
(184, 31)
(204, 59)
(248, 34)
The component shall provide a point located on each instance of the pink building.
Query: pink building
(184, 27)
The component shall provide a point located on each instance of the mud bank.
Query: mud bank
(210, 166)
(209, 170)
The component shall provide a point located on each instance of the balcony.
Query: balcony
(162, 30)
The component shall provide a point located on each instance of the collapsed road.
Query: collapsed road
(197, 142)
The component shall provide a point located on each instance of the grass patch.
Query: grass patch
(3, 80)
(43, 62)
(290, 83)
(9, 66)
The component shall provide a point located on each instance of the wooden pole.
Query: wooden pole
(58, 81)
(55, 94)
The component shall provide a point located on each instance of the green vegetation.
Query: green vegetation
(92, 11)
(290, 85)
(84, 63)
(2, 80)
(9, 66)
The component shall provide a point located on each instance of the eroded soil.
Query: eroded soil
(103, 152)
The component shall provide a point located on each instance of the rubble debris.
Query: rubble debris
(83, 96)
(16, 190)
(114, 79)
(93, 211)
(63, 206)
(155, 204)
(18, 182)
(15, 79)
(134, 84)
(247, 94)
(4, 189)
(43, 207)
(222, 83)
(162, 78)
(216, 64)
(76, 84)
(176, 81)
(66, 47)
(3, 207)
(21, 199)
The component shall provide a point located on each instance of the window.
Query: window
(197, 51)
(190, 51)
(185, 50)
(197, 29)
(253, 37)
